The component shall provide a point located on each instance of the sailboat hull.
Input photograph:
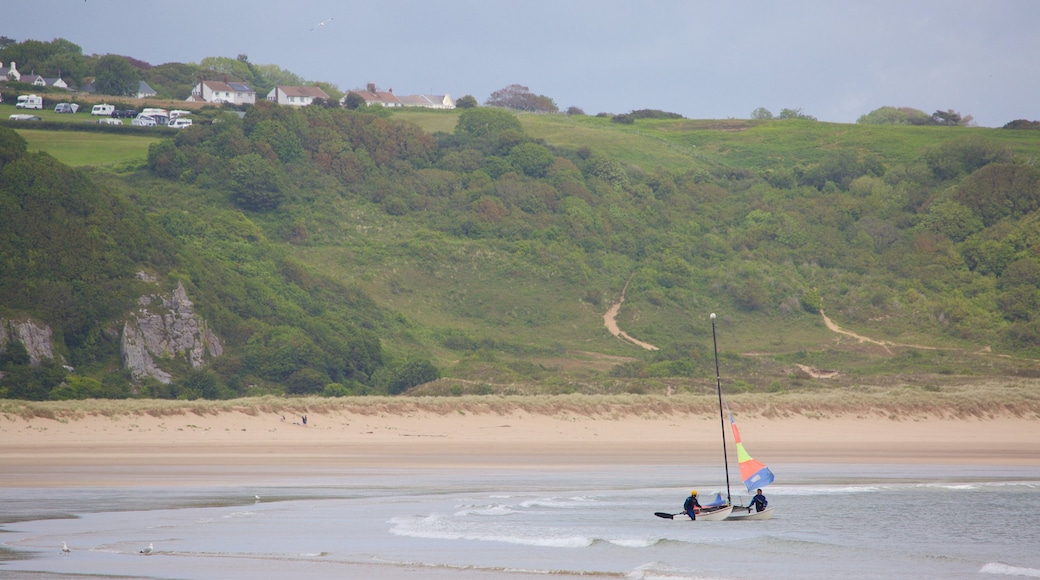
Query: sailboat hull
(709, 514)
(743, 514)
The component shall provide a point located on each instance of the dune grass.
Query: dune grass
(985, 400)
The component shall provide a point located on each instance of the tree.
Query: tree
(354, 101)
(115, 76)
(895, 116)
(411, 374)
(795, 114)
(12, 146)
(531, 158)
(951, 118)
(466, 102)
(255, 183)
(762, 114)
(521, 98)
(575, 111)
(487, 123)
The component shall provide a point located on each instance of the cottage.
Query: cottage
(34, 80)
(223, 92)
(10, 73)
(372, 96)
(143, 90)
(428, 101)
(296, 96)
(55, 82)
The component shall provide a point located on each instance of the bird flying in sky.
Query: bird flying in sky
(322, 23)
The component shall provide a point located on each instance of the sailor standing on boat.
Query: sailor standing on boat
(692, 506)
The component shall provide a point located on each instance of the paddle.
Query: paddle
(668, 516)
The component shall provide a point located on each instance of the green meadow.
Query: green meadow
(82, 148)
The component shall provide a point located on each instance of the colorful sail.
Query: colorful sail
(753, 472)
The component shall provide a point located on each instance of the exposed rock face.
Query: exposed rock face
(35, 337)
(165, 328)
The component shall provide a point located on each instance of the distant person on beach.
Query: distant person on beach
(305, 419)
(759, 501)
(692, 506)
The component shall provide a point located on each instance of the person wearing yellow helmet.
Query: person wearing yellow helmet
(691, 506)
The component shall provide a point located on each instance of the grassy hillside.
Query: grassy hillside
(494, 249)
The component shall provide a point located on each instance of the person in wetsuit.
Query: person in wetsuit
(691, 506)
(759, 502)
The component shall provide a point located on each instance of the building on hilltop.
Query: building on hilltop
(232, 92)
(374, 96)
(428, 101)
(296, 96)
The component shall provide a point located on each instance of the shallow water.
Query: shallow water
(839, 521)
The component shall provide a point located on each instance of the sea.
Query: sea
(832, 521)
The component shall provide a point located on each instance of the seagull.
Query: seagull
(65, 548)
(147, 550)
(322, 23)
(257, 497)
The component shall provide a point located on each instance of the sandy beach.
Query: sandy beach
(140, 449)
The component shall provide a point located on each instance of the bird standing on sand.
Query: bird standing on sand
(148, 550)
(322, 23)
(65, 549)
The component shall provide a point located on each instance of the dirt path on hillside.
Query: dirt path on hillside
(610, 320)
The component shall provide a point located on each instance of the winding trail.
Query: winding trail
(610, 320)
(882, 343)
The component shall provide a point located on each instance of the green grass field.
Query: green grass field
(80, 148)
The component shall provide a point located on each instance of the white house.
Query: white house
(428, 101)
(143, 90)
(55, 82)
(296, 96)
(220, 92)
(373, 96)
(34, 80)
(10, 73)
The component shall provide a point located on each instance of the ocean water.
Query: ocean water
(845, 521)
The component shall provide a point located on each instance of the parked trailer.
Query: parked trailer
(102, 110)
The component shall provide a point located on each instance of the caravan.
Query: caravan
(102, 110)
(30, 102)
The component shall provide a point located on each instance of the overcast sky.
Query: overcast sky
(835, 60)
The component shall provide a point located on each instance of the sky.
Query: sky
(834, 60)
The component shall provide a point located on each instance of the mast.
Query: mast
(722, 419)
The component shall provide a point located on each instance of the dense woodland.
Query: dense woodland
(320, 241)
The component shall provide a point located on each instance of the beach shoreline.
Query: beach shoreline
(96, 449)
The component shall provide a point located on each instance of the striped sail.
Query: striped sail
(753, 472)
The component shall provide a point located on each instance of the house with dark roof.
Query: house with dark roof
(373, 96)
(55, 82)
(143, 90)
(296, 96)
(222, 92)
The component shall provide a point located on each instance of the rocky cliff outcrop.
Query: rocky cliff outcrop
(164, 328)
(36, 338)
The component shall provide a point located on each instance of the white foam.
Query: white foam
(1006, 570)
(803, 490)
(635, 543)
(553, 502)
(489, 510)
(659, 571)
